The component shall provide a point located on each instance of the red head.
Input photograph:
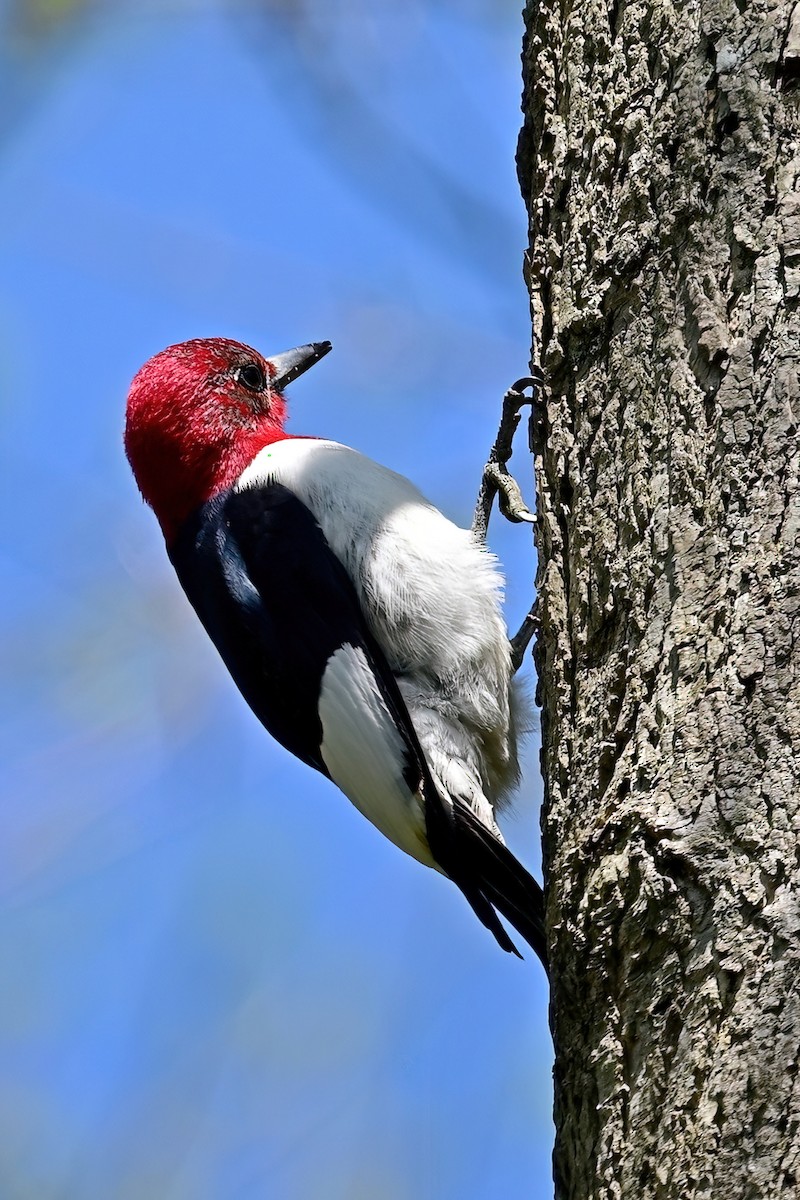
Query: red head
(198, 413)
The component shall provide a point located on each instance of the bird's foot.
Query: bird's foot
(522, 638)
(497, 479)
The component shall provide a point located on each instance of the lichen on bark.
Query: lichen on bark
(659, 160)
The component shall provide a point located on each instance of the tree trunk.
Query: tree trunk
(659, 161)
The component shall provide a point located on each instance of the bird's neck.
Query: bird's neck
(203, 472)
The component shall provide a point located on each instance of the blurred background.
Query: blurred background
(217, 982)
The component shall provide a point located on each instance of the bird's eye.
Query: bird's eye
(252, 377)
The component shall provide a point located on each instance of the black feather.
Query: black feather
(488, 874)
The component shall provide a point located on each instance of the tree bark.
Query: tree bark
(659, 160)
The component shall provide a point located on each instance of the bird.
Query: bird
(361, 626)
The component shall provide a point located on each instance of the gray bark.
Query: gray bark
(659, 160)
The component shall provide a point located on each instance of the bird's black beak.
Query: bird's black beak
(293, 363)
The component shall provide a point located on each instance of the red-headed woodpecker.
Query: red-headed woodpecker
(360, 625)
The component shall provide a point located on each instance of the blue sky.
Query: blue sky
(219, 983)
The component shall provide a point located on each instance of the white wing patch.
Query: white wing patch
(365, 754)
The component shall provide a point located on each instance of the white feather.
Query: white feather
(364, 752)
(431, 597)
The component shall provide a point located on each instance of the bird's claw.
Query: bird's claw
(522, 638)
(509, 496)
(534, 381)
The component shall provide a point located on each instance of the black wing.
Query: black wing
(277, 604)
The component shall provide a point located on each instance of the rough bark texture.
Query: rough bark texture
(660, 161)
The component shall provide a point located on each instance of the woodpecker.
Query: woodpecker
(361, 626)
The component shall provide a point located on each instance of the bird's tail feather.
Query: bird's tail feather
(488, 874)
(465, 848)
